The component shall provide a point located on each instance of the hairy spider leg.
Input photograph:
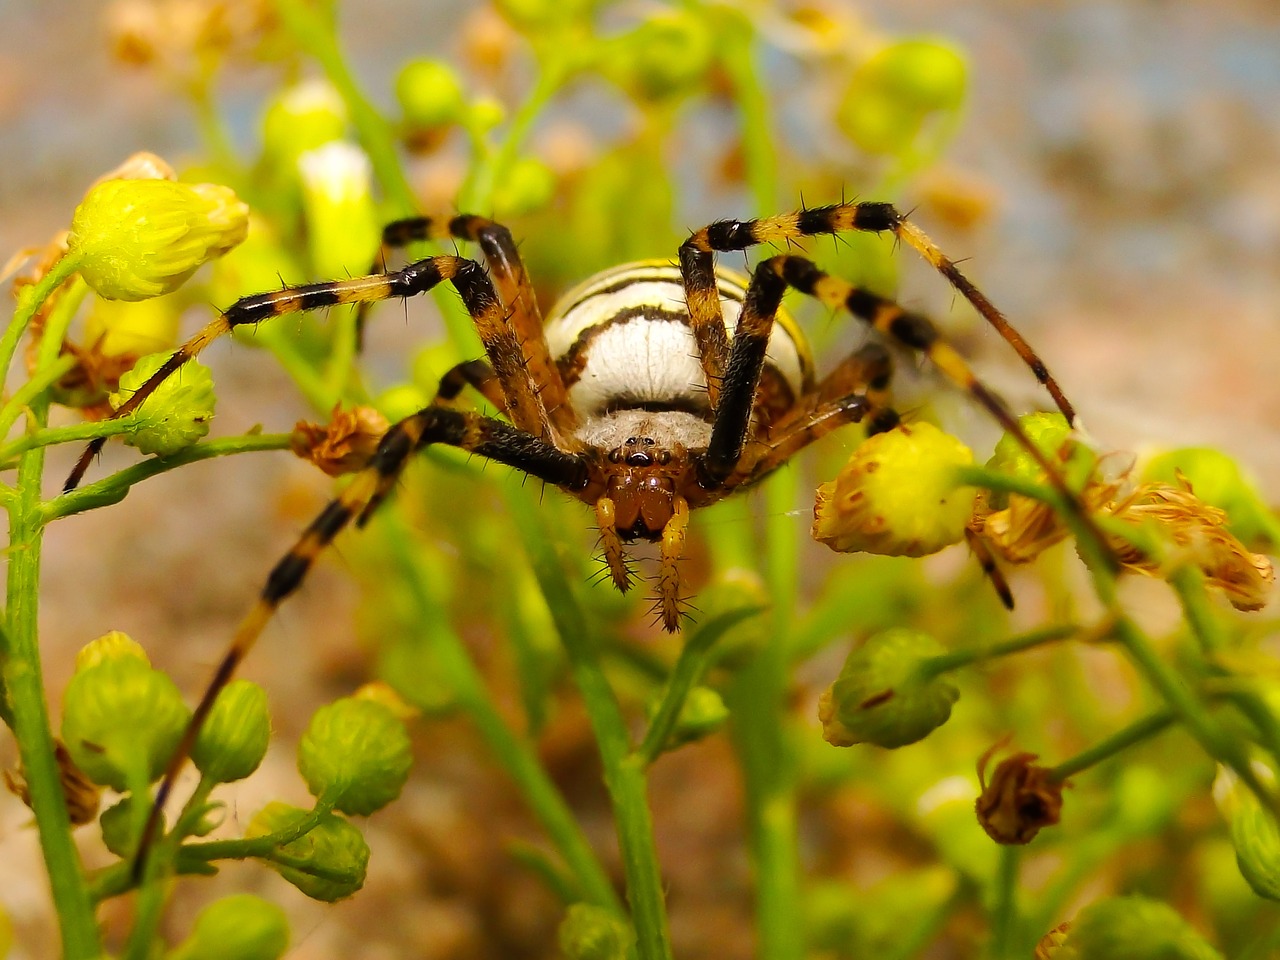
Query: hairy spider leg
(500, 340)
(697, 257)
(486, 436)
(856, 391)
(476, 374)
(512, 280)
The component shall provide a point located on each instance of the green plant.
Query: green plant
(766, 631)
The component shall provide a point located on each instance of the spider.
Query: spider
(650, 390)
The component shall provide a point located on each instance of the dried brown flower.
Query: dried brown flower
(83, 795)
(345, 444)
(1020, 799)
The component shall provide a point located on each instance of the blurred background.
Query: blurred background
(1113, 185)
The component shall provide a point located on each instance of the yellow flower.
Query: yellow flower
(135, 239)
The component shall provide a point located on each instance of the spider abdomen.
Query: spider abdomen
(622, 340)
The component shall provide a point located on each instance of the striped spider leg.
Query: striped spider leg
(517, 445)
(728, 368)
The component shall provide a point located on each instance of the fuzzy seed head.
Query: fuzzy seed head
(897, 495)
(142, 238)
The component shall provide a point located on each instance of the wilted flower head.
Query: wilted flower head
(345, 444)
(1199, 533)
(1019, 800)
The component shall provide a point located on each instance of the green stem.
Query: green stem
(1136, 732)
(512, 752)
(261, 846)
(624, 772)
(28, 303)
(73, 433)
(936, 666)
(23, 683)
(23, 396)
(114, 488)
(687, 671)
(1004, 912)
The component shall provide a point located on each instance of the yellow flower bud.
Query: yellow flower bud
(590, 932)
(110, 646)
(897, 495)
(135, 239)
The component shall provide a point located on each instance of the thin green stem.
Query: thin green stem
(1004, 911)
(624, 772)
(1136, 732)
(23, 396)
(31, 300)
(114, 488)
(23, 683)
(261, 846)
(687, 671)
(72, 433)
(512, 752)
(936, 666)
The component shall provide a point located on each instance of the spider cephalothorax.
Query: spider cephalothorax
(652, 389)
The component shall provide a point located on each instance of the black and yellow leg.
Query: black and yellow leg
(728, 235)
(471, 281)
(469, 431)
(476, 374)
(512, 280)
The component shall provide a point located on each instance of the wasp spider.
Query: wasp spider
(651, 390)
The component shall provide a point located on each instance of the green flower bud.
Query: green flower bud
(529, 185)
(328, 863)
(177, 414)
(240, 927)
(702, 714)
(135, 239)
(358, 751)
(921, 75)
(1135, 928)
(430, 94)
(120, 825)
(1216, 479)
(303, 117)
(1050, 433)
(589, 932)
(882, 696)
(110, 646)
(233, 739)
(121, 721)
(343, 227)
(897, 495)
(667, 56)
(1254, 834)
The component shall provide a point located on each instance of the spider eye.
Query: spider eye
(648, 441)
(664, 457)
(615, 455)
